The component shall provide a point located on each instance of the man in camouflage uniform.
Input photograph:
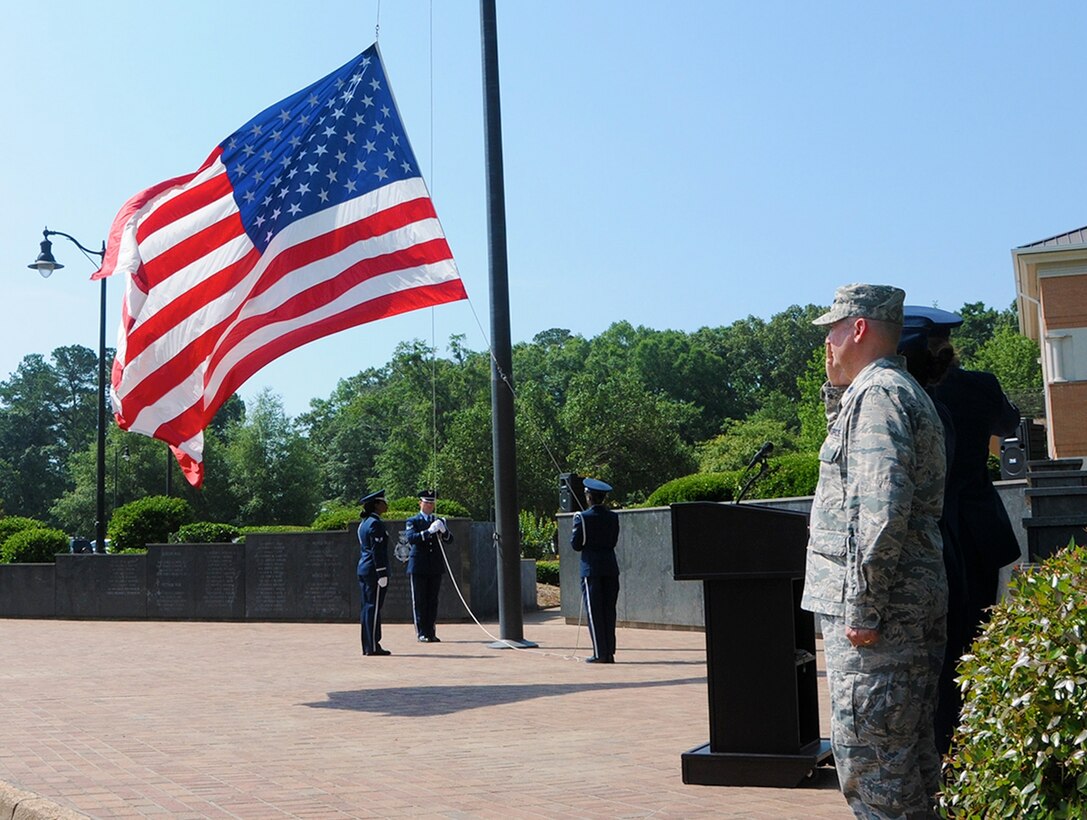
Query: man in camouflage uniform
(875, 571)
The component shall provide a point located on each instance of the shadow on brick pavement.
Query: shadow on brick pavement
(259, 720)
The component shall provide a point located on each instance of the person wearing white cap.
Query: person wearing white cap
(426, 564)
(595, 535)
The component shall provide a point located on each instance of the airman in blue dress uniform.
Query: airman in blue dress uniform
(426, 564)
(975, 521)
(373, 570)
(595, 534)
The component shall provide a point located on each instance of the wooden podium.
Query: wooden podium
(760, 645)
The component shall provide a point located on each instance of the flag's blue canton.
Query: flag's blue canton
(335, 140)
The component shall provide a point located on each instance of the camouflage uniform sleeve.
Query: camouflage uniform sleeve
(880, 491)
(832, 401)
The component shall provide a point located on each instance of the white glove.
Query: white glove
(441, 525)
(436, 526)
(383, 581)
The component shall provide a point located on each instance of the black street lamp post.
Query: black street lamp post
(45, 264)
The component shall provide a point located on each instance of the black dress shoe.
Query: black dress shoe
(423, 639)
(595, 659)
(378, 651)
(434, 639)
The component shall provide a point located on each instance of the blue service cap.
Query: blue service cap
(596, 486)
(428, 495)
(374, 496)
(932, 318)
(920, 322)
(913, 338)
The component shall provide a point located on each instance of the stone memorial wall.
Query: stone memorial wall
(307, 576)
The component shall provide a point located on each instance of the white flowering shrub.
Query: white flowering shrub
(1021, 747)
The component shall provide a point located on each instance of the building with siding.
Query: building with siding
(1051, 294)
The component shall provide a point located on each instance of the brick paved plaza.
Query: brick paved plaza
(266, 720)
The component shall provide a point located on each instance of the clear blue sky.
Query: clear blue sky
(674, 164)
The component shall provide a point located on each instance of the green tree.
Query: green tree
(626, 435)
(346, 432)
(466, 458)
(271, 467)
(1015, 361)
(763, 358)
(136, 467)
(740, 440)
(47, 411)
(810, 409)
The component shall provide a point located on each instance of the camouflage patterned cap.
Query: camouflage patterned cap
(880, 302)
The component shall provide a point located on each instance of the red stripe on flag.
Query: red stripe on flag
(184, 204)
(192, 248)
(181, 365)
(133, 206)
(319, 247)
(187, 424)
(187, 304)
(312, 298)
(304, 253)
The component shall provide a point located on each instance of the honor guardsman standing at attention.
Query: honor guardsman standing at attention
(595, 534)
(373, 570)
(426, 533)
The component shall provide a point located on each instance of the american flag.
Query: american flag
(309, 219)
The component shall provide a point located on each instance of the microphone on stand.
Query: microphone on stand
(763, 452)
(760, 459)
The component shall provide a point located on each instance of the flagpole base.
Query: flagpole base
(508, 644)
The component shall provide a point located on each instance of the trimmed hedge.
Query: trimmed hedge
(1021, 746)
(205, 532)
(271, 528)
(11, 524)
(697, 487)
(338, 517)
(787, 476)
(146, 521)
(547, 572)
(37, 545)
(409, 505)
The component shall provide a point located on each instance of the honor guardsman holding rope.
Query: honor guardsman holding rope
(426, 534)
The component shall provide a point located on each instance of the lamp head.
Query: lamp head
(45, 264)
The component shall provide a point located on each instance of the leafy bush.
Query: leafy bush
(697, 487)
(11, 524)
(147, 521)
(789, 476)
(37, 545)
(271, 528)
(537, 535)
(547, 572)
(205, 532)
(1021, 747)
(409, 505)
(335, 516)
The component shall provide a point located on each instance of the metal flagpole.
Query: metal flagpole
(510, 621)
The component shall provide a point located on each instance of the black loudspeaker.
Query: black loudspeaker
(571, 492)
(1013, 459)
(1028, 444)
